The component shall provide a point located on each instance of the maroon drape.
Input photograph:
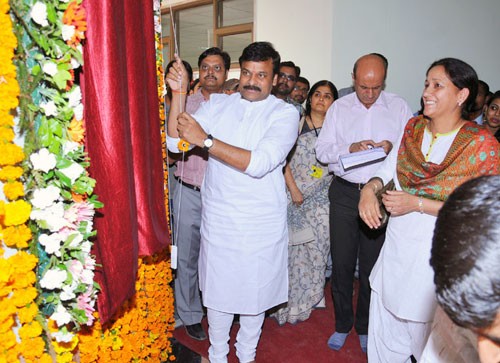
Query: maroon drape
(123, 142)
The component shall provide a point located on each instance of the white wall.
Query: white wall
(412, 34)
(325, 37)
(300, 30)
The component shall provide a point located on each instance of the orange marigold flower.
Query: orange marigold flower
(17, 236)
(183, 146)
(75, 16)
(76, 131)
(27, 313)
(31, 349)
(8, 339)
(31, 330)
(13, 190)
(24, 297)
(23, 262)
(24, 280)
(9, 172)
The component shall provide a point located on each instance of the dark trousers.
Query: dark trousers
(350, 239)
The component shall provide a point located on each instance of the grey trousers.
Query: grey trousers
(187, 219)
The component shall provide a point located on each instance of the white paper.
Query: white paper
(358, 159)
(173, 257)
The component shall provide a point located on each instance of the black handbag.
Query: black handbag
(385, 213)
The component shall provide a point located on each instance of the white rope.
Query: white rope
(181, 106)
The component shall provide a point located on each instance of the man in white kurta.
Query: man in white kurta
(244, 238)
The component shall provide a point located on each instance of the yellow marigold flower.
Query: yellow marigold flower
(117, 344)
(7, 324)
(7, 119)
(23, 262)
(24, 296)
(16, 213)
(5, 271)
(13, 190)
(61, 347)
(45, 358)
(31, 349)
(76, 131)
(66, 357)
(6, 134)
(10, 154)
(24, 280)
(17, 236)
(31, 330)
(7, 339)
(10, 173)
(28, 313)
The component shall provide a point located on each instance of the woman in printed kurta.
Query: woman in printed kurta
(308, 212)
(439, 150)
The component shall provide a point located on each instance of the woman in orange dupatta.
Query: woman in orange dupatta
(439, 150)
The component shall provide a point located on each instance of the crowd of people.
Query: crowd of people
(265, 211)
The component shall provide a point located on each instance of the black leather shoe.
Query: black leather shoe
(196, 331)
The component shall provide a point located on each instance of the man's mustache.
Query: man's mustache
(211, 77)
(252, 88)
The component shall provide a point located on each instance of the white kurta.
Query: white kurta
(244, 238)
(402, 275)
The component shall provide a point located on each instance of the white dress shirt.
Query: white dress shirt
(244, 237)
(348, 121)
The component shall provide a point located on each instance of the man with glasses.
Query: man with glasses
(299, 92)
(213, 67)
(287, 78)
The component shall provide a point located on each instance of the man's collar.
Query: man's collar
(380, 102)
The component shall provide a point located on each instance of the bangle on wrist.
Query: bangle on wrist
(179, 92)
(420, 205)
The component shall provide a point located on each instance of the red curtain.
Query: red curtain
(123, 142)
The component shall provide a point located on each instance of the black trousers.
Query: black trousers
(350, 239)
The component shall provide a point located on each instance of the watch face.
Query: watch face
(208, 143)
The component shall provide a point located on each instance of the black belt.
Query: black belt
(187, 185)
(358, 186)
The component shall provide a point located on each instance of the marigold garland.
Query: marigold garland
(142, 328)
(17, 277)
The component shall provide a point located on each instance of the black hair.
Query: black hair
(482, 85)
(332, 87)
(291, 65)
(462, 76)
(493, 96)
(304, 80)
(465, 253)
(216, 51)
(260, 52)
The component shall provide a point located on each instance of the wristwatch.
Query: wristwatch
(208, 142)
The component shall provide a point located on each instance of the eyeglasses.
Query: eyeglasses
(215, 68)
(300, 89)
(289, 77)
